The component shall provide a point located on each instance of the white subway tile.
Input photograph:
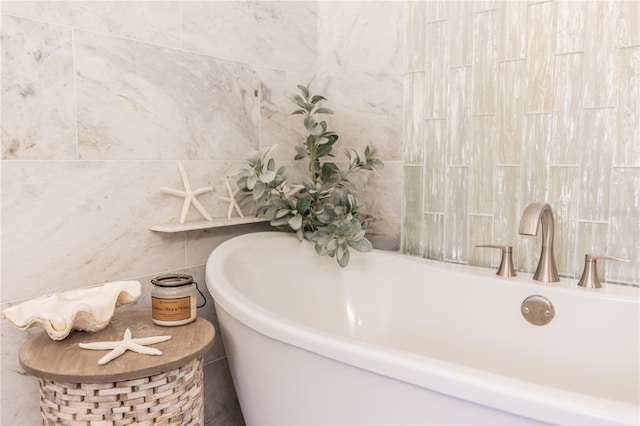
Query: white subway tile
(436, 67)
(506, 215)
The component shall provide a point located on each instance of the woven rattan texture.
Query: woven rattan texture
(170, 398)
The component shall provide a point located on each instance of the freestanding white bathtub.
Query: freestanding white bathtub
(393, 340)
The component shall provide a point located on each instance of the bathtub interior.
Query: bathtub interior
(460, 315)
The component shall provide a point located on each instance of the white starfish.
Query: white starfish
(127, 343)
(189, 195)
(233, 204)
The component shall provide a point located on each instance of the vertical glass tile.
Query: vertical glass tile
(567, 106)
(412, 210)
(624, 229)
(459, 132)
(563, 190)
(480, 230)
(456, 217)
(535, 158)
(570, 19)
(540, 38)
(599, 130)
(629, 25)
(513, 18)
(506, 216)
(437, 10)
(413, 135)
(510, 112)
(460, 33)
(481, 169)
(591, 238)
(600, 54)
(628, 142)
(416, 21)
(436, 67)
(432, 236)
(484, 63)
(435, 165)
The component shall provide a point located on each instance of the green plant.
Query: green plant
(323, 207)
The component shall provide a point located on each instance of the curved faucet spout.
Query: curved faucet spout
(534, 214)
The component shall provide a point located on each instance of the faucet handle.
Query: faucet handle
(589, 277)
(506, 268)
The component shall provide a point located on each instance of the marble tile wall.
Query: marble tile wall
(509, 103)
(101, 99)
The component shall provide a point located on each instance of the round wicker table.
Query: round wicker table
(131, 389)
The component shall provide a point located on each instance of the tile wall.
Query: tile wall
(508, 103)
(100, 100)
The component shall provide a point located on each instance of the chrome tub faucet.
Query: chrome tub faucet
(534, 214)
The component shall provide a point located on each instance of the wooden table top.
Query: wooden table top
(65, 361)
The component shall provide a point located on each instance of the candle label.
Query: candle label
(171, 309)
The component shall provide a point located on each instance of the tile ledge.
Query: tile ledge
(173, 227)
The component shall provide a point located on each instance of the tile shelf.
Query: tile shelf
(172, 227)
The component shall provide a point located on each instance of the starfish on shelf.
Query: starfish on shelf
(189, 195)
(233, 203)
(127, 343)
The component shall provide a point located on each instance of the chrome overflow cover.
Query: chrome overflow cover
(538, 310)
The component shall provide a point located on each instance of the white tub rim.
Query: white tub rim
(504, 393)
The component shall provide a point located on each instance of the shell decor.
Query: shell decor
(88, 309)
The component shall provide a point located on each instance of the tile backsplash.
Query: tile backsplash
(508, 103)
(101, 99)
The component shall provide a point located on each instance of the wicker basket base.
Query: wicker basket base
(174, 397)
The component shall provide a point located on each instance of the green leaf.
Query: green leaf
(267, 176)
(324, 111)
(343, 260)
(304, 90)
(363, 245)
(304, 201)
(251, 182)
(317, 98)
(299, 101)
(301, 151)
(316, 129)
(258, 190)
(295, 222)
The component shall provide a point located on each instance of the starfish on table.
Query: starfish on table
(189, 195)
(127, 343)
(233, 203)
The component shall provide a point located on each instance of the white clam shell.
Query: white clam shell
(88, 309)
